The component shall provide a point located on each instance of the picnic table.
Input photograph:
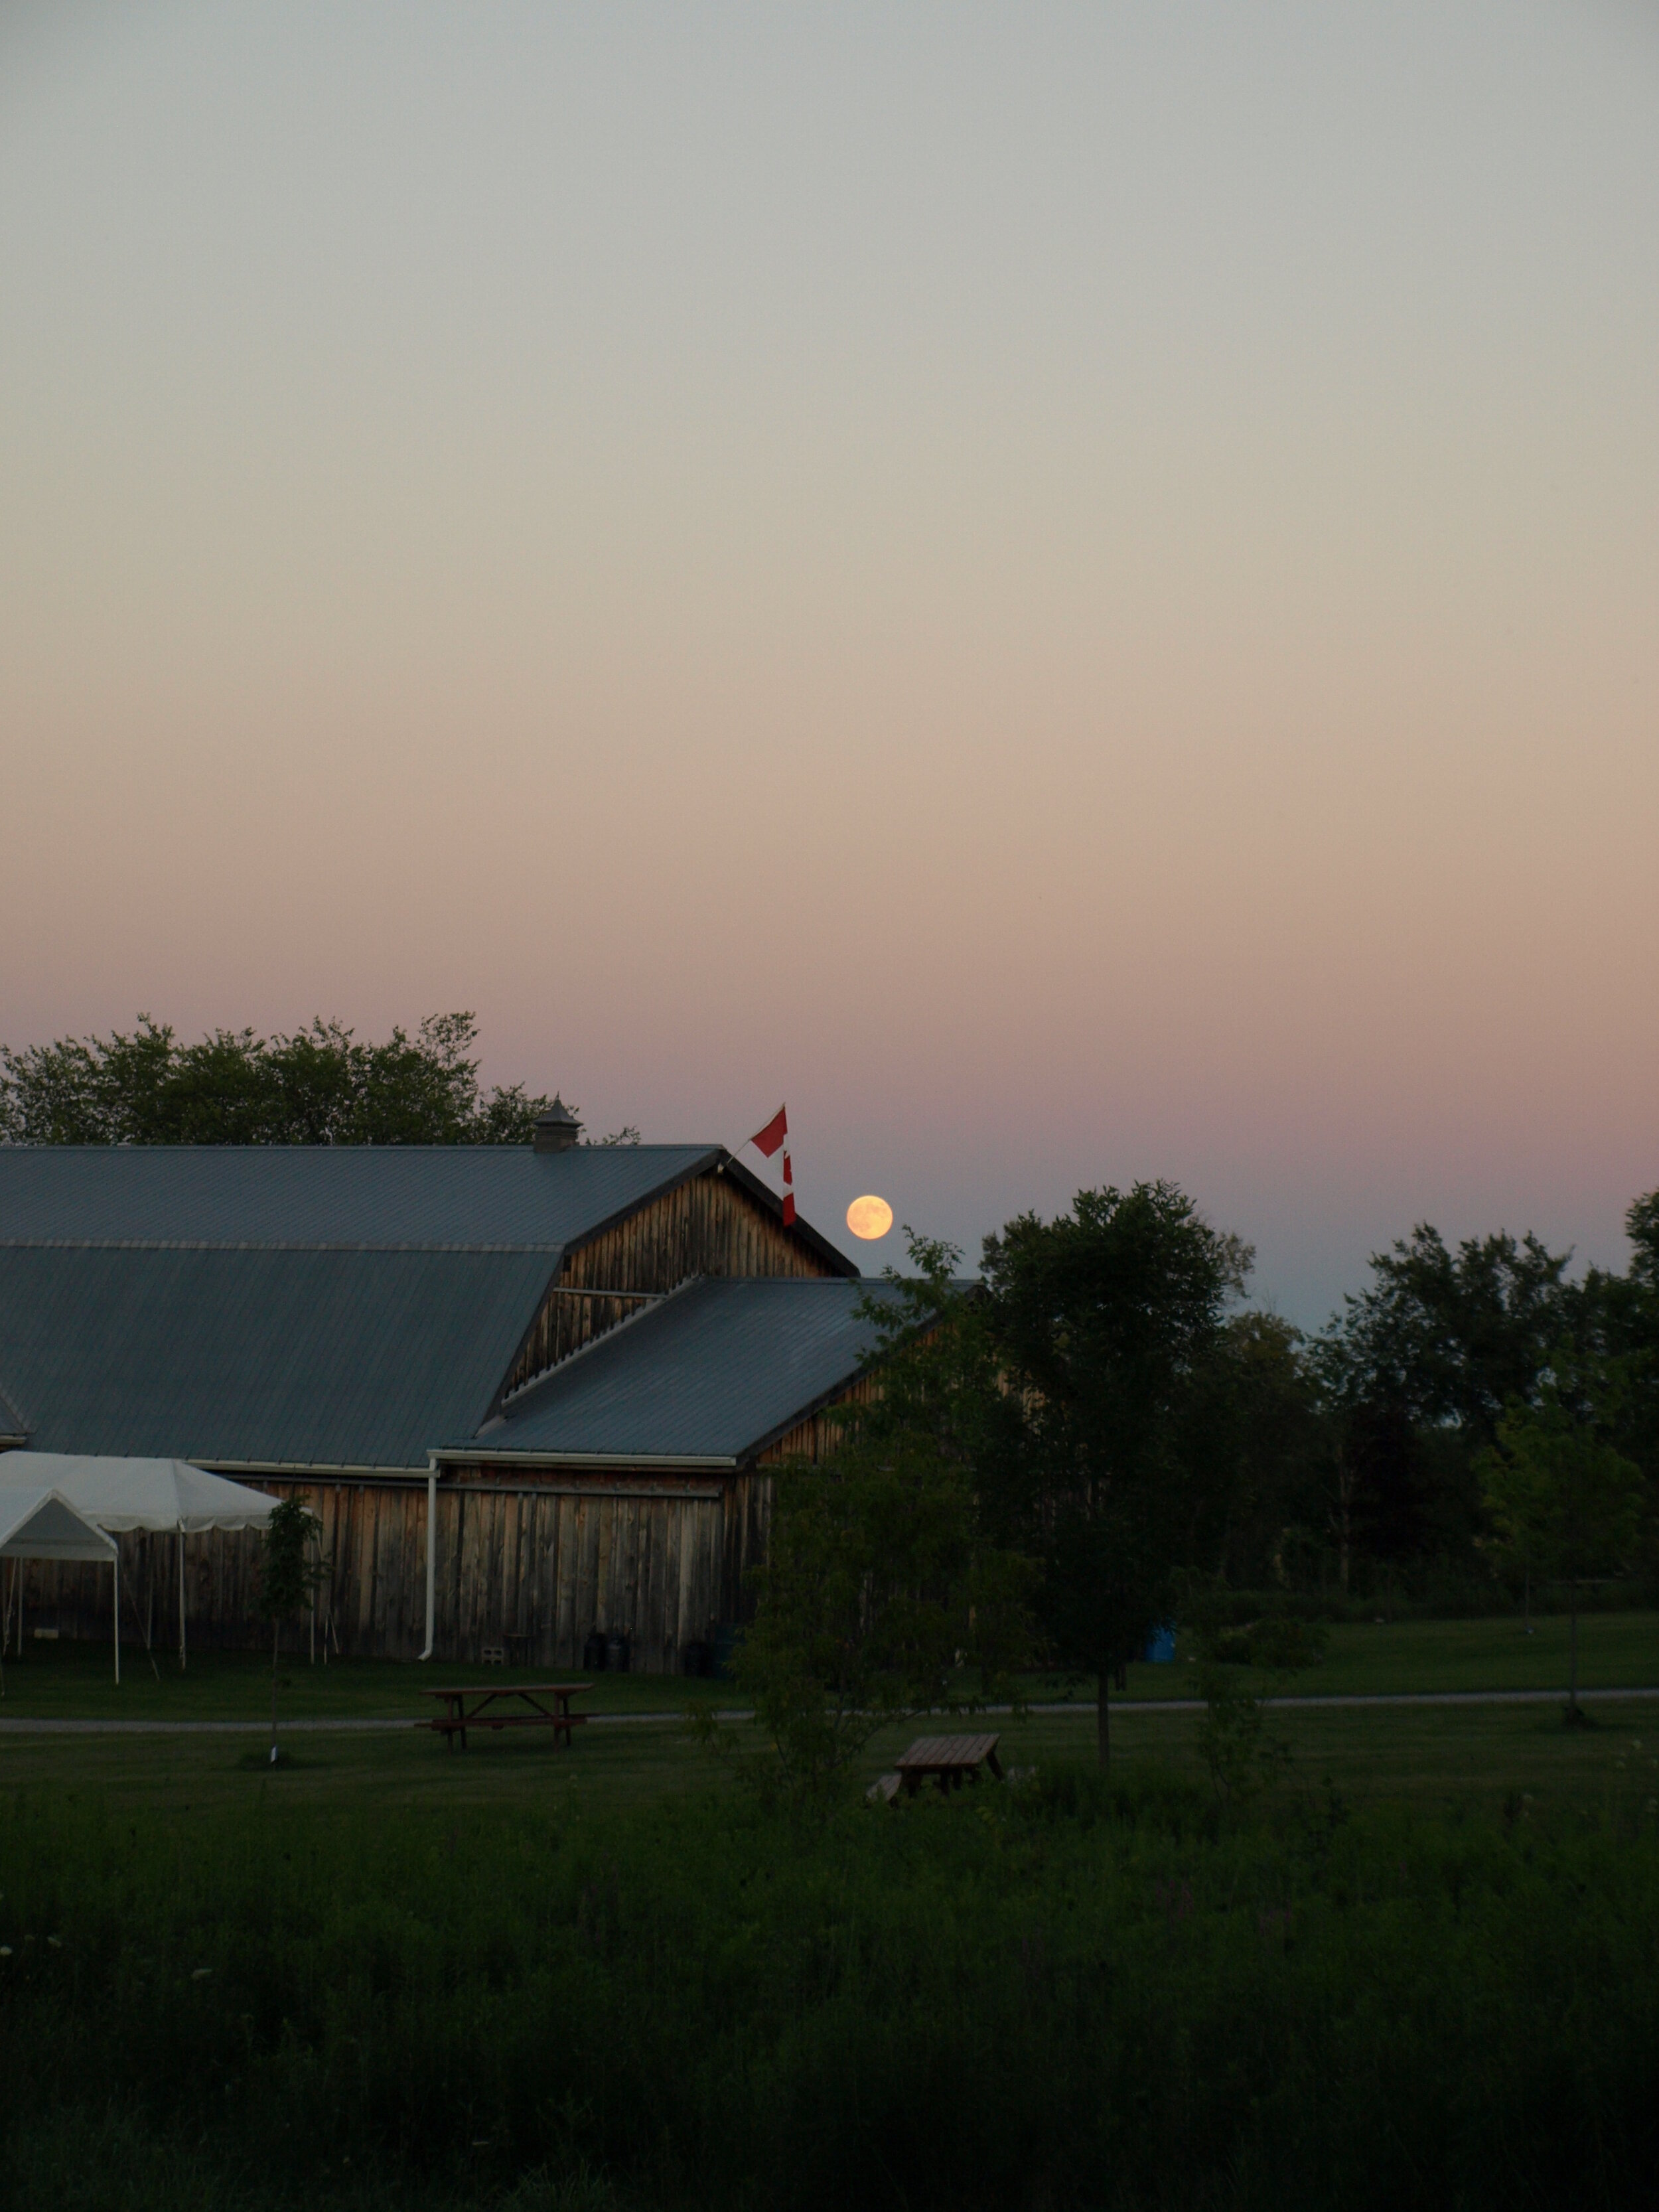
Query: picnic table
(948, 1759)
(477, 1708)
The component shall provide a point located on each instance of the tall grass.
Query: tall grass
(1047, 1997)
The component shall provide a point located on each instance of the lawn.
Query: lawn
(1617, 1650)
(1433, 1756)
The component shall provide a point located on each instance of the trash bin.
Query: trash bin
(1160, 1644)
(695, 1659)
(593, 1653)
(615, 1654)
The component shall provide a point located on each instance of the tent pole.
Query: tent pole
(182, 1597)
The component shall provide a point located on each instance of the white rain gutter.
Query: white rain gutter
(479, 1453)
(431, 1553)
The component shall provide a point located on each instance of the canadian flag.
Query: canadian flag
(773, 1138)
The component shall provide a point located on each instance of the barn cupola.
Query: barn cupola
(557, 1130)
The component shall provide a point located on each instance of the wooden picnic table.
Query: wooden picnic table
(474, 1708)
(949, 1759)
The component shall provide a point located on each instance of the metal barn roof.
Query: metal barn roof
(463, 1198)
(715, 1373)
(329, 1358)
(354, 1305)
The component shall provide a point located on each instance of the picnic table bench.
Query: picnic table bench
(948, 1759)
(477, 1708)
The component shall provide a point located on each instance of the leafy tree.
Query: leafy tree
(1257, 1413)
(880, 1589)
(289, 1572)
(1105, 1325)
(319, 1086)
(1416, 1375)
(1619, 1315)
(1562, 1499)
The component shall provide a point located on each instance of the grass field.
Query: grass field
(1432, 1757)
(1425, 1968)
(63, 1680)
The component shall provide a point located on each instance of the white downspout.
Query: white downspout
(431, 1554)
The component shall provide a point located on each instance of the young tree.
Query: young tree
(289, 1572)
(1104, 1326)
(1562, 1499)
(880, 1588)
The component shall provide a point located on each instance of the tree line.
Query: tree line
(1098, 1438)
(320, 1085)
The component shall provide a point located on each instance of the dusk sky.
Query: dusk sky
(1073, 590)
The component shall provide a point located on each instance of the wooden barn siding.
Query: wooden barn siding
(552, 1566)
(540, 1563)
(220, 1593)
(706, 1227)
(819, 1435)
(516, 1556)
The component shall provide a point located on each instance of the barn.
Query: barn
(533, 1391)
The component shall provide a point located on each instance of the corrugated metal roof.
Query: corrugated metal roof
(458, 1198)
(714, 1372)
(12, 1423)
(360, 1358)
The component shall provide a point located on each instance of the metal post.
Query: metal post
(181, 1596)
(118, 1616)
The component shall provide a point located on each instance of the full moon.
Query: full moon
(869, 1217)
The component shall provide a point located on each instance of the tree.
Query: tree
(1619, 1315)
(1257, 1414)
(319, 1086)
(1415, 1376)
(1562, 1500)
(1105, 1325)
(289, 1572)
(880, 1589)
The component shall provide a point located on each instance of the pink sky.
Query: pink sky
(1075, 592)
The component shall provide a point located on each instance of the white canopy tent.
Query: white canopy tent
(117, 1495)
(41, 1523)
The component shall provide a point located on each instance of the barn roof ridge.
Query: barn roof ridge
(463, 1198)
(251, 1244)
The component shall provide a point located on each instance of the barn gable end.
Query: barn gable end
(720, 1221)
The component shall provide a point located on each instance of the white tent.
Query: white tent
(121, 1494)
(41, 1523)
